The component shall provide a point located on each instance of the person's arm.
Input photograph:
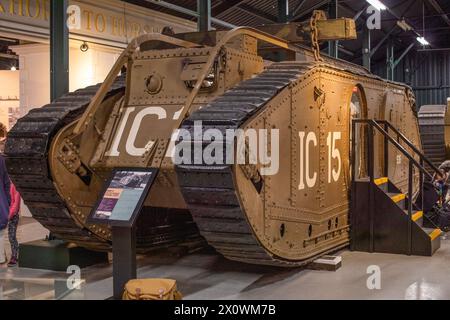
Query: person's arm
(15, 202)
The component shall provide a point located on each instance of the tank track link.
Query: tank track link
(27, 152)
(432, 131)
(210, 191)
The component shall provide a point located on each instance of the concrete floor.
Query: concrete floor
(207, 275)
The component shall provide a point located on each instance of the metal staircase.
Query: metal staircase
(383, 218)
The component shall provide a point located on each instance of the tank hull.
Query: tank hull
(285, 208)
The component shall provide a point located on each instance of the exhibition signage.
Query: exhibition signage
(123, 197)
(119, 206)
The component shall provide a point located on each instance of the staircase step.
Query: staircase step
(416, 215)
(397, 197)
(435, 233)
(435, 237)
(381, 181)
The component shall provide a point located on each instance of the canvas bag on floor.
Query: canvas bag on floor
(152, 289)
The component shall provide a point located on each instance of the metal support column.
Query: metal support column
(333, 46)
(402, 56)
(380, 43)
(386, 151)
(407, 71)
(371, 160)
(354, 177)
(283, 11)
(367, 47)
(59, 49)
(204, 11)
(410, 206)
(390, 60)
(124, 258)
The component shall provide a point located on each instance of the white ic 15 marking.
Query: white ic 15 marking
(308, 145)
(334, 154)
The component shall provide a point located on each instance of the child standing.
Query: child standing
(5, 201)
(5, 196)
(14, 210)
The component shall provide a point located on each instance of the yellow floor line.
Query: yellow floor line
(381, 181)
(398, 198)
(436, 233)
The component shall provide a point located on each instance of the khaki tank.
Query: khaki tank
(250, 132)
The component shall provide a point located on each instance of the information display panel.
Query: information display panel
(123, 197)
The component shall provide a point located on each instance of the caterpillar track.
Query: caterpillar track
(27, 161)
(432, 121)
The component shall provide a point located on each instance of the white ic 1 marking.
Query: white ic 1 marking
(130, 146)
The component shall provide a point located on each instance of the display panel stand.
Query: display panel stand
(124, 258)
(118, 207)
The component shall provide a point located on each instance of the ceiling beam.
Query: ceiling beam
(257, 13)
(408, 7)
(342, 49)
(309, 10)
(396, 62)
(359, 14)
(225, 7)
(188, 12)
(439, 10)
(346, 51)
(297, 8)
(433, 50)
(378, 46)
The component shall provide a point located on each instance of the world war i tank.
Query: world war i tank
(250, 130)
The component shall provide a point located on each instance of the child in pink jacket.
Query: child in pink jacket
(12, 226)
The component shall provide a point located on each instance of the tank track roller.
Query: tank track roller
(210, 191)
(27, 150)
(432, 131)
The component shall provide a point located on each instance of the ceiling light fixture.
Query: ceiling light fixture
(423, 41)
(377, 4)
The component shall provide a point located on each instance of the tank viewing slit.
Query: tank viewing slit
(264, 175)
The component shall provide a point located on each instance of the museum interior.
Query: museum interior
(145, 145)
